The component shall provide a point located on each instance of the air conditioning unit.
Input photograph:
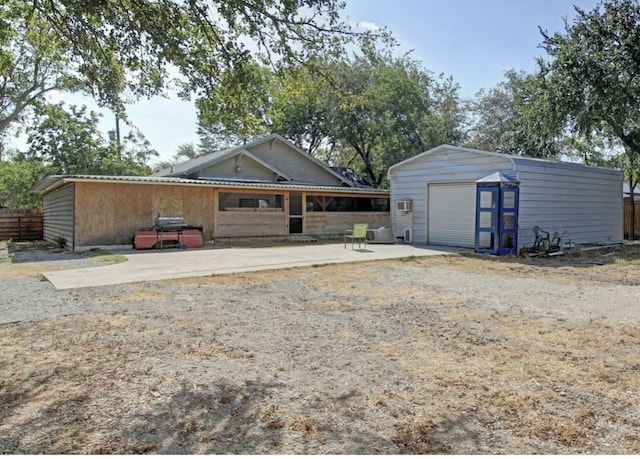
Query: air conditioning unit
(407, 235)
(403, 206)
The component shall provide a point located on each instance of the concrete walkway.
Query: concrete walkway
(174, 264)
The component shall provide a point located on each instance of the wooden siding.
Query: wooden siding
(251, 223)
(627, 218)
(300, 168)
(58, 215)
(336, 223)
(249, 169)
(110, 213)
(584, 201)
(411, 181)
(21, 224)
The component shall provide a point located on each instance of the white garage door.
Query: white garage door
(452, 214)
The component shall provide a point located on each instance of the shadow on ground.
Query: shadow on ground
(221, 418)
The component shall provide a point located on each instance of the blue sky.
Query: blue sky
(474, 41)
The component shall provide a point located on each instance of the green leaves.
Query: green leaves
(69, 142)
(519, 116)
(121, 50)
(368, 111)
(17, 177)
(595, 65)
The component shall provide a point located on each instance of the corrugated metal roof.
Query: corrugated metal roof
(513, 158)
(54, 181)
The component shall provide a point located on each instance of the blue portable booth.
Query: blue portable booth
(497, 199)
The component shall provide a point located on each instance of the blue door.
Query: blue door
(487, 207)
(497, 218)
(509, 196)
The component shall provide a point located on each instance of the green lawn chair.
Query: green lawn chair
(359, 233)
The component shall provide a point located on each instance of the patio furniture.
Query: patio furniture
(382, 235)
(542, 243)
(359, 233)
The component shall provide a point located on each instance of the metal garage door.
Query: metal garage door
(452, 214)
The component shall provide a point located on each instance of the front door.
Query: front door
(509, 220)
(295, 213)
(487, 217)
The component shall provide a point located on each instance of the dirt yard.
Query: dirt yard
(455, 355)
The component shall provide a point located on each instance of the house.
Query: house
(267, 188)
(583, 202)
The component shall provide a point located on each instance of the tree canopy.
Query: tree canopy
(365, 111)
(594, 71)
(119, 50)
(69, 142)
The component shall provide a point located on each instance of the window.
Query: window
(346, 204)
(244, 202)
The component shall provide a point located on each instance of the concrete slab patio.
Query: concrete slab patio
(174, 264)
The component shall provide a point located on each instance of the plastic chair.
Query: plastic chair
(542, 241)
(359, 233)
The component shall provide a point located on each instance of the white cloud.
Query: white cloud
(364, 25)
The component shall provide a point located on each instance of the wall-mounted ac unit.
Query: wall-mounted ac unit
(403, 206)
(407, 235)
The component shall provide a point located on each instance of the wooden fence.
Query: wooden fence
(627, 218)
(21, 225)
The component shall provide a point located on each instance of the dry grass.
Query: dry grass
(470, 379)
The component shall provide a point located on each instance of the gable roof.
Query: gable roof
(239, 152)
(201, 162)
(514, 159)
(440, 148)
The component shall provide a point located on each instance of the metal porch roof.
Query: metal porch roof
(54, 181)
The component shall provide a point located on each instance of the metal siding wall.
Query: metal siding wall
(586, 202)
(410, 181)
(58, 218)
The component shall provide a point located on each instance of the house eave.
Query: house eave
(52, 182)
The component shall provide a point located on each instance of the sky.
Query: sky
(473, 41)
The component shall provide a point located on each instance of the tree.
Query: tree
(375, 109)
(32, 62)
(594, 68)
(300, 106)
(517, 117)
(17, 178)
(119, 50)
(69, 142)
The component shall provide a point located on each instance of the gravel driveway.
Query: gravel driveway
(442, 354)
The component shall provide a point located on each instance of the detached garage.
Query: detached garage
(584, 202)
